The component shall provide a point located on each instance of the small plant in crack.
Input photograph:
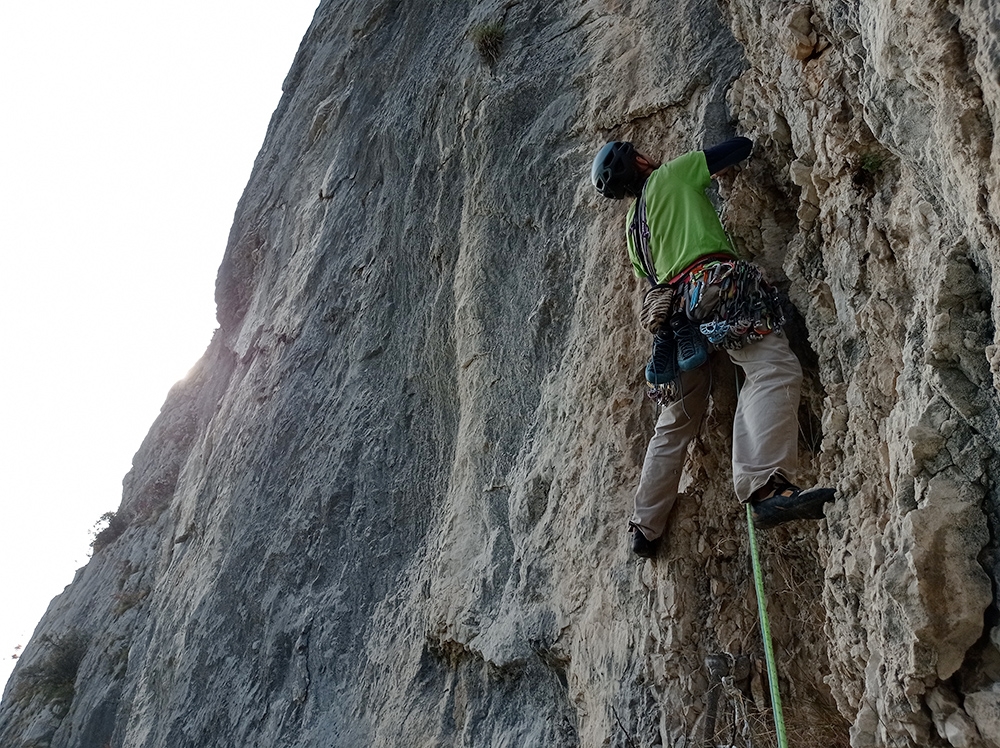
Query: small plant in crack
(868, 169)
(872, 163)
(488, 39)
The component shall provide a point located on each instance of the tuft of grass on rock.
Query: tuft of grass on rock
(488, 39)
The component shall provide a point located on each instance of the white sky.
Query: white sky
(127, 133)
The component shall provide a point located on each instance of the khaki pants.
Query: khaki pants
(765, 430)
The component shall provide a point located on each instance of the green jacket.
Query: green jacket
(683, 224)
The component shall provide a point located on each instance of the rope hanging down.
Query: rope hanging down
(765, 630)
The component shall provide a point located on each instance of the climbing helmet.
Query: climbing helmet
(614, 172)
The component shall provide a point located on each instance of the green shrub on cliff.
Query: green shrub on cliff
(53, 678)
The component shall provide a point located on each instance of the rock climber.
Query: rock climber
(702, 298)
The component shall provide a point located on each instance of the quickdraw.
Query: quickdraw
(734, 302)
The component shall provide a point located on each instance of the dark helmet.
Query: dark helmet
(614, 173)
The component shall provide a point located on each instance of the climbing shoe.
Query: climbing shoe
(662, 366)
(691, 349)
(641, 546)
(790, 503)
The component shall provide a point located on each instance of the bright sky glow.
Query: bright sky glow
(128, 131)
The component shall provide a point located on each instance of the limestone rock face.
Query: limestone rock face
(388, 507)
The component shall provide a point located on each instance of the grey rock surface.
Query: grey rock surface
(388, 506)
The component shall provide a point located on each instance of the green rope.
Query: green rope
(765, 630)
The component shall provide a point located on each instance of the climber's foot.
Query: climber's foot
(641, 546)
(787, 502)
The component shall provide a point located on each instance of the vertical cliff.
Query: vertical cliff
(388, 506)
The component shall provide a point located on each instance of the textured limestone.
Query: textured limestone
(387, 507)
